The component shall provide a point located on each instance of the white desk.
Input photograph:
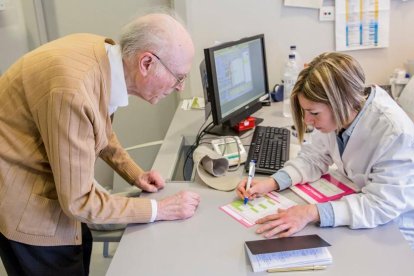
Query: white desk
(212, 243)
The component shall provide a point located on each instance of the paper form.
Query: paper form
(331, 186)
(362, 24)
(257, 208)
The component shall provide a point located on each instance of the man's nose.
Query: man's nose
(180, 87)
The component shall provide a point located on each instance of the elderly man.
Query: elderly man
(56, 104)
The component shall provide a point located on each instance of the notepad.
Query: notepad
(288, 252)
(331, 186)
(257, 208)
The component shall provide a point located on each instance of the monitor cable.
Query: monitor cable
(201, 132)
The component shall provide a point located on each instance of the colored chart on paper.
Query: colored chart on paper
(362, 24)
(257, 208)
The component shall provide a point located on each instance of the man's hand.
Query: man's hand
(286, 222)
(179, 206)
(150, 182)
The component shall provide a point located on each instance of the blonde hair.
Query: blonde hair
(334, 79)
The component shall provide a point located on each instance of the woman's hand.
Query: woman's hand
(287, 222)
(258, 188)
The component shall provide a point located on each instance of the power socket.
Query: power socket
(327, 13)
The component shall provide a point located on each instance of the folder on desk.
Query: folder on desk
(331, 186)
(288, 252)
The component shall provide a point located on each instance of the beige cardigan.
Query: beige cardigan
(53, 124)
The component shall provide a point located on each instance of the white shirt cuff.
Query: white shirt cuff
(342, 215)
(154, 208)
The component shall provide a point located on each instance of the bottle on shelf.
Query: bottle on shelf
(290, 75)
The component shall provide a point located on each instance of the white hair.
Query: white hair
(142, 34)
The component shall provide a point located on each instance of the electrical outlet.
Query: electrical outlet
(327, 13)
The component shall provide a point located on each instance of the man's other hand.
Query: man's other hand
(179, 206)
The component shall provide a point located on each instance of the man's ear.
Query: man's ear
(145, 61)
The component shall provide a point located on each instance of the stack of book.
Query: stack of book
(292, 253)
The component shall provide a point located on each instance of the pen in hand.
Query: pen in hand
(252, 168)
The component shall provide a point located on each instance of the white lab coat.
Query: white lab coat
(379, 158)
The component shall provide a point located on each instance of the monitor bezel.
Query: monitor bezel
(213, 93)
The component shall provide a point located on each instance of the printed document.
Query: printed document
(362, 24)
(257, 208)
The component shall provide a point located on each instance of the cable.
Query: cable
(200, 134)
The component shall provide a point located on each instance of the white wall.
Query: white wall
(14, 42)
(105, 17)
(224, 20)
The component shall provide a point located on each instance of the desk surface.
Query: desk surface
(212, 243)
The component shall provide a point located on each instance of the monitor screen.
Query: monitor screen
(236, 77)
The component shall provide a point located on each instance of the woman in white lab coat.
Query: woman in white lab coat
(360, 130)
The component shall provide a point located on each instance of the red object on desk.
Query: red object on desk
(248, 123)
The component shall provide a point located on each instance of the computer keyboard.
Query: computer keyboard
(269, 148)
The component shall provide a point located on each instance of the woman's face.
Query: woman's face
(318, 115)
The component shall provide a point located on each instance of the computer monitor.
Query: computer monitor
(234, 77)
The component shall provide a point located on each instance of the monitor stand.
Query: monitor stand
(227, 130)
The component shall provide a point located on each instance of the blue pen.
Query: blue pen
(252, 168)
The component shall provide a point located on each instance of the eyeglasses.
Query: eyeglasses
(179, 80)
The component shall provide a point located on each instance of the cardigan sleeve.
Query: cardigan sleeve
(68, 127)
(119, 160)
